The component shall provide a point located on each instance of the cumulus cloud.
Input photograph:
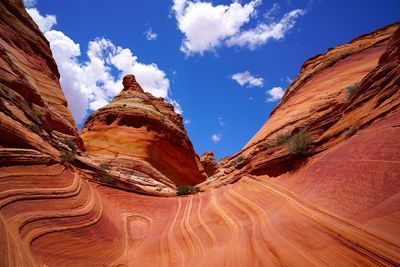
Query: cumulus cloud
(206, 26)
(45, 23)
(29, 3)
(275, 94)
(260, 35)
(91, 84)
(187, 121)
(245, 78)
(216, 137)
(150, 35)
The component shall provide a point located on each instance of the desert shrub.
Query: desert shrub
(105, 166)
(186, 190)
(350, 90)
(34, 128)
(350, 131)
(281, 139)
(67, 157)
(299, 143)
(106, 178)
(70, 144)
(238, 160)
(39, 115)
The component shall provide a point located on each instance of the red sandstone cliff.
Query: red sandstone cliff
(139, 131)
(337, 204)
(317, 102)
(31, 96)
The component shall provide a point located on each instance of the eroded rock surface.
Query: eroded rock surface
(339, 206)
(317, 102)
(209, 163)
(34, 112)
(138, 129)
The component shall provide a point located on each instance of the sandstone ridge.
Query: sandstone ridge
(335, 204)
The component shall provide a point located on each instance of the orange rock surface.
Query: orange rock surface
(209, 163)
(30, 89)
(337, 205)
(317, 101)
(138, 128)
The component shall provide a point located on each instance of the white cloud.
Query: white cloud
(29, 3)
(206, 26)
(150, 35)
(245, 78)
(150, 77)
(271, 13)
(177, 107)
(187, 121)
(45, 23)
(221, 121)
(275, 94)
(90, 85)
(216, 137)
(258, 36)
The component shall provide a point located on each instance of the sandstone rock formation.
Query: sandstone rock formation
(317, 101)
(34, 112)
(138, 129)
(209, 163)
(336, 205)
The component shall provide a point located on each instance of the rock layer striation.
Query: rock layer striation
(337, 204)
(138, 129)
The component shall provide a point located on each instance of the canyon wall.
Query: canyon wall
(318, 103)
(335, 204)
(34, 112)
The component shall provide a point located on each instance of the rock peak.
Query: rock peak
(129, 82)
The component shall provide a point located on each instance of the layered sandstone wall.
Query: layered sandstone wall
(336, 205)
(34, 112)
(317, 102)
(138, 127)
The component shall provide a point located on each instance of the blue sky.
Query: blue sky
(224, 63)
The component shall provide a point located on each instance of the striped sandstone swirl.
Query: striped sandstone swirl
(339, 206)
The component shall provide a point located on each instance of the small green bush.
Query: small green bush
(299, 143)
(186, 190)
(350, 131)
(67, 157)
(39, 115)
(71, 144)
(34, 128)
(281, 139)
(350, 90)
(105, 166)
(238, 160)
(106, 178)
